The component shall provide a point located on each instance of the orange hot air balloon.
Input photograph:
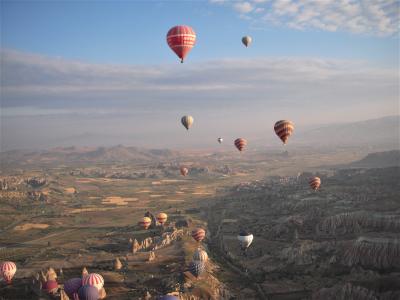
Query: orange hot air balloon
(240, 144)
(315, 182)
(184, 171)
(198, 234)
(145, 222)
(162, 218)
(181, 40)
(284, 129)
(8, 270)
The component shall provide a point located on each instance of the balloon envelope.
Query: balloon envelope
(198, 234)
(162, 218)
(184, 171)
(145, 222)
(284, 129)
(8, 270)
(200, 255)
(181, 40)
(88, 292)
(50, 285)
(93, 279)
(245, 239)
(187, 121)
(72, 286)
(315, 183)
(220, 140)
(240, 144)
(246, 40)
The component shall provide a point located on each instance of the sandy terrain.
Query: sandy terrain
(118, 200)
(28, 226)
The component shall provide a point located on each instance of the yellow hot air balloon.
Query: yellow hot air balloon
(187, 121)
(145, 222)
(162, 218)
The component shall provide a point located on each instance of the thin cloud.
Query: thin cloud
(28, 79)
(379, 18)
(243, 7)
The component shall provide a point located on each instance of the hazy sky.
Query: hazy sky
(101, 73)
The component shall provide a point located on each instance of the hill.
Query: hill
(86, 154)
(379, 160)
(382, 133)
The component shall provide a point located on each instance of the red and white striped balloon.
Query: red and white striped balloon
(93, 279)
(8, 270)
(315, 182)
(199, 234)
(284, 129)
(240, 144)
(181, 40)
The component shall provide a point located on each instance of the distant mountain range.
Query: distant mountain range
(87, 154)
(379, 160)
(382, 133)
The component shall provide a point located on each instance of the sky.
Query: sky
(101, 72)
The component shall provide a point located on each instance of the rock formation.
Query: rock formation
(379, 253)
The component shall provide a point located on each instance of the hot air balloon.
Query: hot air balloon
(200, 255)
(245, 239)
(145, 222)
(51, 286)
(184, 171)
(93, 279)
(246, 40)
(197, 267)
(88, 292)
(220, 140)
(284, 129)
(162, 218)
(187, 121)
(315, 182)
(199, 234)
(72, 286)
(240, 144)
(181, 40)
(8, 269)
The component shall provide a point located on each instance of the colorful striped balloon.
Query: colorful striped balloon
(198, 234)
(315, 182)
(197, 268)
(93, 279)
(181, 40)
(145, 222)
(162, 218)
(240, 144)
(8, 270)
(284, 129)
(200, 255)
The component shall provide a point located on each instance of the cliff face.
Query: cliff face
(154, 243)
(377, 253)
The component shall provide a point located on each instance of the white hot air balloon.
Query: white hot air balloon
(245, 239)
